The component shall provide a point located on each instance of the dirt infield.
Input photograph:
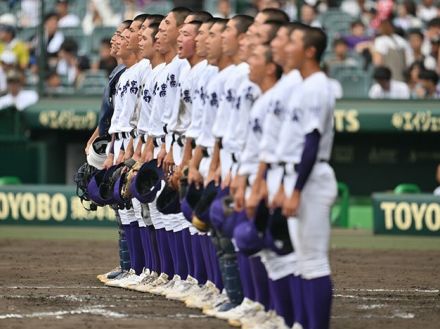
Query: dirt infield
(52, 284)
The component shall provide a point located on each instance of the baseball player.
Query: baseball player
(125, 105)
(102, 130)
(309, 184)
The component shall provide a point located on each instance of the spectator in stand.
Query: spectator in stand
(53, 81)
(106, 61)
(335, 85)
(99, 13)
(383, 11)
(66, 19)
(7, 63)
(427, 10)
(432, 33)
(28, 14)
(224, 9)
(415, 39)
(387, 88)
(412, 77)
(391, 50)
(428, 87)
(340, 55)
(9, 42)
(82, 66)
(68, 60)
(53, 39)
(309, 15)
(16, 96)
(357, 35)
(407, 19)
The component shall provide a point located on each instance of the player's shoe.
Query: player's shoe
(273, 321)
(184, 289)
(109, 275)
(135, 280)
(297, 325)
(224, 307)
(210, 297)
(162, 279)
(121, 280)
(246, 308)
(253, 320)
(168, 287)
(144, 285)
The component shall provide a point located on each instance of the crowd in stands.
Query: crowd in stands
(376, 49)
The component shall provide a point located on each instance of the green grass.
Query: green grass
(341, 238)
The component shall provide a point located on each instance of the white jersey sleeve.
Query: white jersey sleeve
(276, 115)
(199, 101)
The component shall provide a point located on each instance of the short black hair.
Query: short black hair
(435, 22)
(274, 27)
(357, 22)
(127, 23)
(292, 26)
(197, 24)
(315, 37)
(141, 17)
(221, 21)
(276, 15)
(155, 28)
(156, 18)
(70, 46)
(242, 22)
(105, 41)
(339, 41)
(429, 75)
(180, 14)
(415, 32)
(50, 15)
(201, 16)
(382, 73)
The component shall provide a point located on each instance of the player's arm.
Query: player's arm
(239, 189)
(308, 160)
(258, 192)
(138, 151)
(215, 164)
(111, 155)
(129, 150)
(194, 175)
(187, 152)
(91, 139)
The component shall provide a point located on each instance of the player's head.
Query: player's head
(116, 36)
(134, 28)
(201, 16)
(265, 33)
(123, 41)
(186, 41)
(150, 19)
(245, 45)
(147, 41)
(170, 25)
(201, 37)
(271, 14)
(262, 67)
(279, 43)
(235, 31)
(307, 45)
(214, 40)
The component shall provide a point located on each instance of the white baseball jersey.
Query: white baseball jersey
(276, 114)
(199, 101)
(214, 91)
(228, 98)
(308, 110)
(249, 157)
(182, 111)
(130, 115)
(125, 96)
(236, 130)
(146, 98)
(164, 96)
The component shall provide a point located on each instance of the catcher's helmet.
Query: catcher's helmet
(82, 179)
(97, 155)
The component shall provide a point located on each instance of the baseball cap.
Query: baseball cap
(8, 57)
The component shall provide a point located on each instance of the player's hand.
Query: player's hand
(86, 149)
(168, 163)
(128, 154)
(291, 205)
(213, 175)
(239, 194)
(195, 177)
(235, 183)
(174, 180)
(227, 181)
(120, 157)
(137, 156)
(109, 161)
(161, 156)
(258, 193)
(279, 198)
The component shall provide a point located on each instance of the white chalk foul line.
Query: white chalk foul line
(55, 287)
(425, 291)
(93, 310)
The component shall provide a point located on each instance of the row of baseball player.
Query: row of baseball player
(234, 119)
